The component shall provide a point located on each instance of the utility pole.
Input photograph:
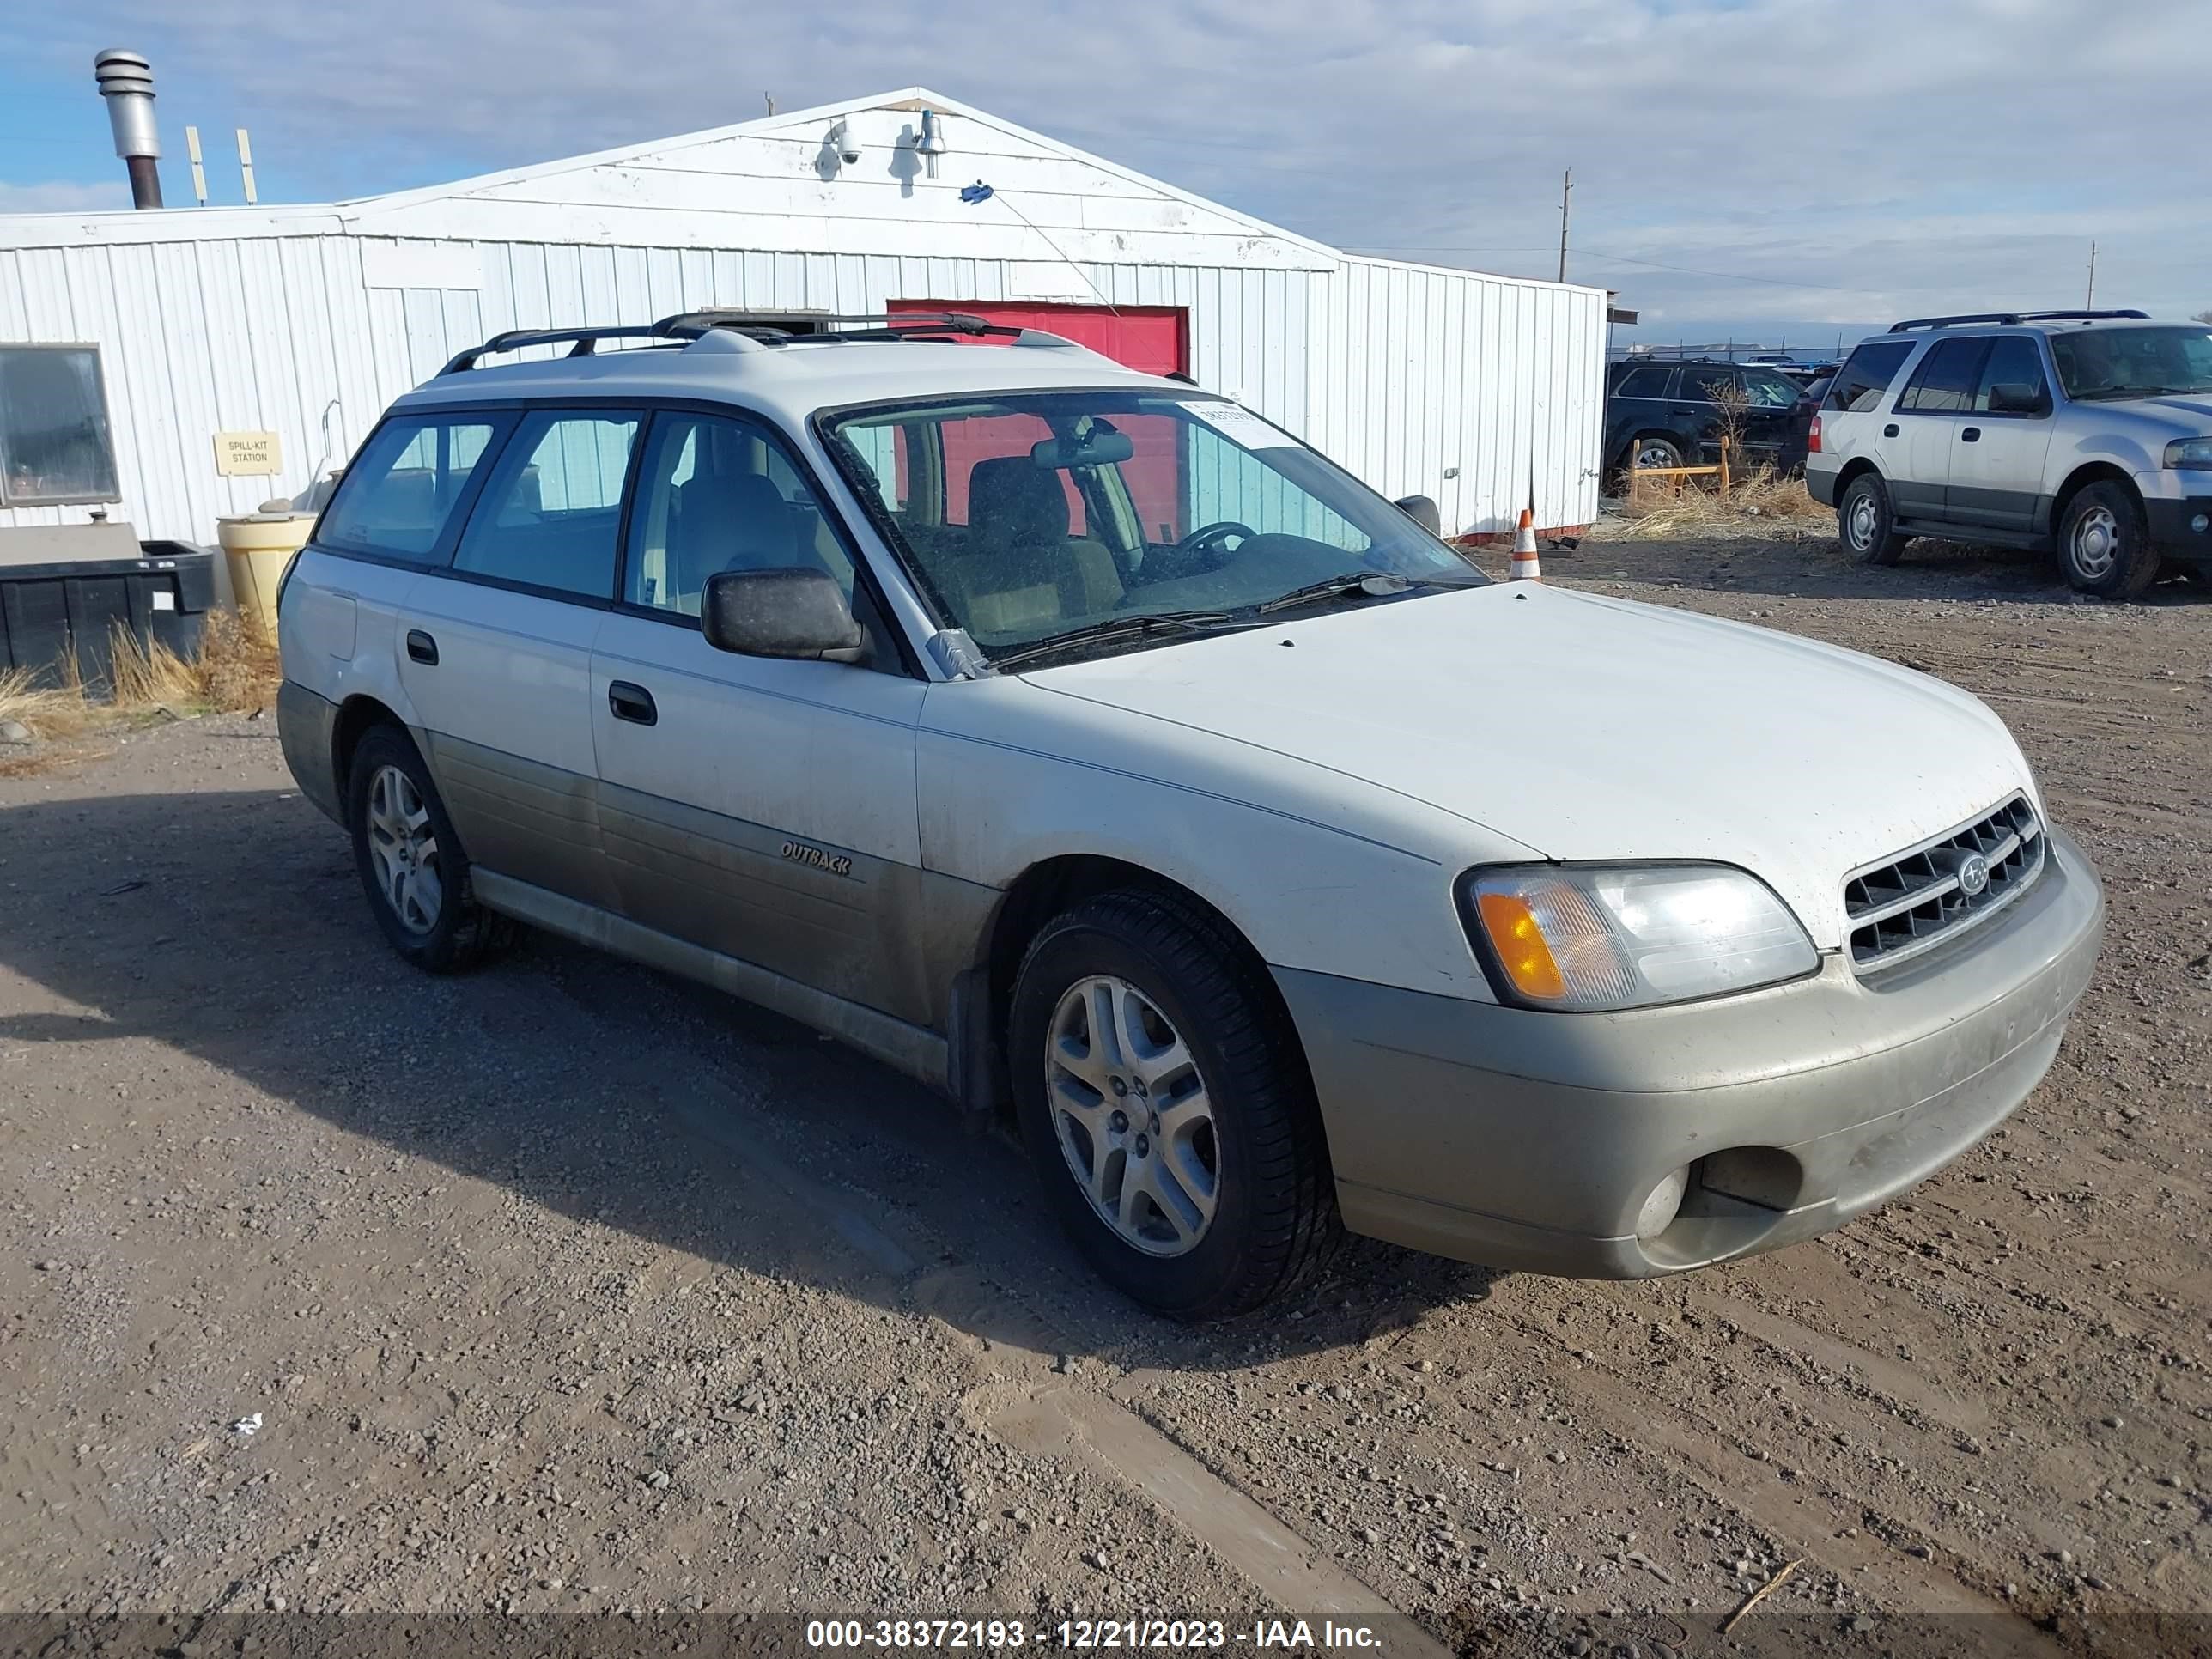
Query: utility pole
(770, 98)
(2090, 303)
(1566, 194)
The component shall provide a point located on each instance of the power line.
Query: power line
(1624, 259)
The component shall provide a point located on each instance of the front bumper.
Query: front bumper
(2173, 522)
(1532, 1141)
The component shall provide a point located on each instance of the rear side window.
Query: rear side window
(551, 516)
(398, 497)
(1946, 379)
(1647, 382)
(1860, 383)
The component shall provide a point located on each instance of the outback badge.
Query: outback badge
(835, 863)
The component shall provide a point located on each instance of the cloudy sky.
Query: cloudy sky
(1743, 167)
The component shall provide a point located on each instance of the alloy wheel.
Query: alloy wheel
(1132, 1115)
(403, 845)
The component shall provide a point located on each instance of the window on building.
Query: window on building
(55, 444)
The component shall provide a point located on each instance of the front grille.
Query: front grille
(1920, 899)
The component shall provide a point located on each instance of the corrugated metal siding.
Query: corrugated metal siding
(1401, 373)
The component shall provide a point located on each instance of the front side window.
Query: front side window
(1764, 389)
(1947, 378)
(1708, 383)
(552, 512)
(2108, 363)
(2012, 380)
(397, 498)
(55, 444)
(1025, 516)
(717, 494)
(1859, 384)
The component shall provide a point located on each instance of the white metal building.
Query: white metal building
(216, 324)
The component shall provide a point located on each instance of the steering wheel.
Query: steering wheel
(1212, 534)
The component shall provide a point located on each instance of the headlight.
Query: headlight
(2190, 452)
(1594, 936)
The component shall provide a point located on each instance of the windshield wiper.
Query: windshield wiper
(1376, 584)
(1117, 628)
(2121, 393)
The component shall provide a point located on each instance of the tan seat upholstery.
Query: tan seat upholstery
(1019, 569)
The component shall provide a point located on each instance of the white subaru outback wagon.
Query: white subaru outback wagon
(1089, 748)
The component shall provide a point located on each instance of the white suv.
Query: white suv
(2087, 432)
(1089, 748)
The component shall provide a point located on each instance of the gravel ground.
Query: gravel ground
(568, 1287)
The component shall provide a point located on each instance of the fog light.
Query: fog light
(1662, 1203)
(2201, 523)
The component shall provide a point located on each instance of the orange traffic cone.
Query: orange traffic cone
(1526, 566)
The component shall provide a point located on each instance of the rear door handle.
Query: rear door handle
(422, 647)
(1890, 431)
(632, 702)
(1972, 434)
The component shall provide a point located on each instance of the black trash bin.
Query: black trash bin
(66, 590)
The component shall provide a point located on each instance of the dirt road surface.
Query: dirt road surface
(568, 1287)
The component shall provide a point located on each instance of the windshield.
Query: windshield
(2133, 363)
(1026, 516)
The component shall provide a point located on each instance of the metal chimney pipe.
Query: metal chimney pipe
(126, 81)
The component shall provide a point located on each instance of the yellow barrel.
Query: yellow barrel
(257, 547)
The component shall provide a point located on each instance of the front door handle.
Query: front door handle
(422, 647)
(1972, 434)
(1890, 431)
(633, 703)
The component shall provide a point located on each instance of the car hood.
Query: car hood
(1595, 728)
(2182, 414)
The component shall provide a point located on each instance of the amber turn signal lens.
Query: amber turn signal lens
(1520, 945)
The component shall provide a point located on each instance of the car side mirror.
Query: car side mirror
(1424, 511)
(2018, 398)
(795, 613)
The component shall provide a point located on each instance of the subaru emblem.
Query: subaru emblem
(1974, 875)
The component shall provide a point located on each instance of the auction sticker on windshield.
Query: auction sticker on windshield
(1235, 421)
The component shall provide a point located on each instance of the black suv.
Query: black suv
(1664, 414)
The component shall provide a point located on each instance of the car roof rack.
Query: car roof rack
(747, 331)
(2013, 319)
(517, 339)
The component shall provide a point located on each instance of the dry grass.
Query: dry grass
(1762, 498)
(234, 670)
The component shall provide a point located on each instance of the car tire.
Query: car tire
(1651, 452)
(409, 860)
(2104, 543)
(1197, 1091)
(1866, 523)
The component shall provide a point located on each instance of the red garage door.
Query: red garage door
(1151, 339)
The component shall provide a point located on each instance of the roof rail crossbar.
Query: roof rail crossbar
(516, 339)
(2011, 319)
(2003, 318)
(897, 325)
(2130, 314)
